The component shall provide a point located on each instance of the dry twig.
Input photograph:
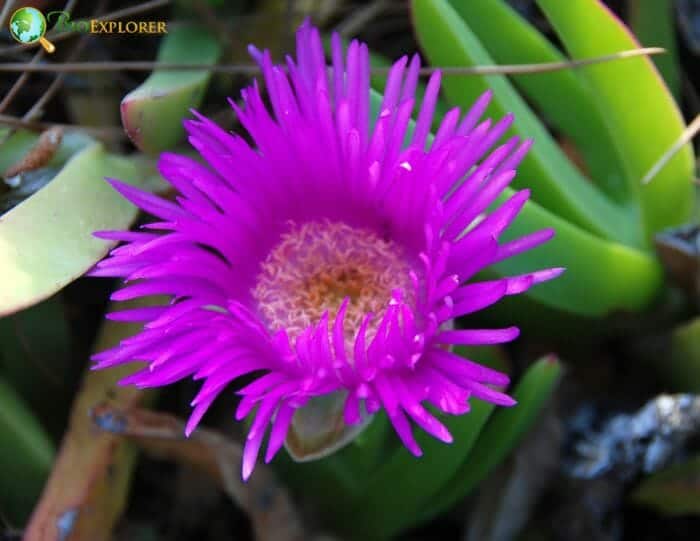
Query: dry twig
(39, 155)
(505, 69)
(691, 131)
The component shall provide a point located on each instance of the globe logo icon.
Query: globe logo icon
(28, 25)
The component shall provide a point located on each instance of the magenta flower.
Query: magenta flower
(329, 258)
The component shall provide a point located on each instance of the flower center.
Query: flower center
(318, 264)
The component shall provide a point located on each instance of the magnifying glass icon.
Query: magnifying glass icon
(28, 26)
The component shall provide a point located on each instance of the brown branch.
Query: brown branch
(509, 69)
(19, 83)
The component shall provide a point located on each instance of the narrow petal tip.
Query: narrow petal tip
(255, 53)
(246, 471)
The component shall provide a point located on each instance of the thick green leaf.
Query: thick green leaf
(26, 455)
(653, 23)
(564, 98)
(400, 488)
(674, 491)
(46, 241)
(503, 431)
(152, 113)
(640, 110)
(556, 184)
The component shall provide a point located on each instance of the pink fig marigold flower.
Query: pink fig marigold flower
(331, 257)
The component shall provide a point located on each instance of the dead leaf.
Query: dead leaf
(39, 155)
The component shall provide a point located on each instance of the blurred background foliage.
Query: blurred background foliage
(611, 169)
